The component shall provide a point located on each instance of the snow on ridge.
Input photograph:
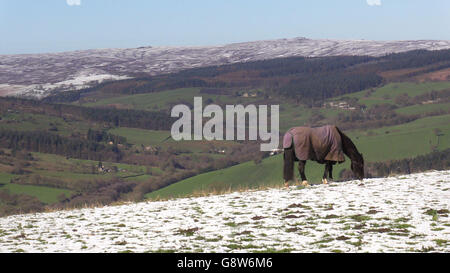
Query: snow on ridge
(77, 82)
(406, 213)
(28, 70)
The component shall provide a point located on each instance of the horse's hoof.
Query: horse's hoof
(305, 184)
(325, 181)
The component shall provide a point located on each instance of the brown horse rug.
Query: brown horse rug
(319, 144)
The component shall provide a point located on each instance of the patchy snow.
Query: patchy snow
(80, 81)
(406, 213)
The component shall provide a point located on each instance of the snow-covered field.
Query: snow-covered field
(406, 213)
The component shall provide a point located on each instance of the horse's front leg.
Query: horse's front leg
(301, 169)
(328, 171)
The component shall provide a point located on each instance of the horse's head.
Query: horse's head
(357, 167)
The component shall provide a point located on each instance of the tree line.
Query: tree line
(45, 142)
(103, 136)
(436, 160)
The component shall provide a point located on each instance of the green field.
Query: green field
(162, 100)
(141, 136)
(389, 92)
(405, 140)
(46, 195)
(423, 108)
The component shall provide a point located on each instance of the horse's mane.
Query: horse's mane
(349, 148)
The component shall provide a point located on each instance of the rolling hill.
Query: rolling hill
(407, 213)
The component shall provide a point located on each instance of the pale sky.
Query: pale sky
(30, 26)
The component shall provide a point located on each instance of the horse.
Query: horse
(325, 145)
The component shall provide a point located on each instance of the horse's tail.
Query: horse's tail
(166, 139)
(289, 158)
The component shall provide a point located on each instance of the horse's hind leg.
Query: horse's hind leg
(288, 172)
(325, 173)
(301, 169)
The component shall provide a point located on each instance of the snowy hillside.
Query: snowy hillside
(38, 74)
(397, 214)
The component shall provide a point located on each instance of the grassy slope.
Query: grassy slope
(406, 140)
(389, 92)
(242, 176)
